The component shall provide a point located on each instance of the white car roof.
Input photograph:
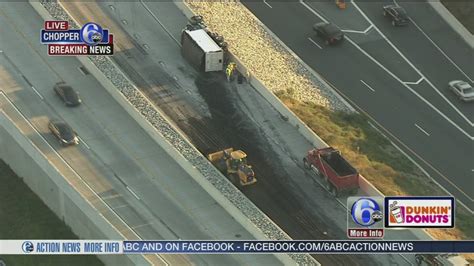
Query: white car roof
(464, 85)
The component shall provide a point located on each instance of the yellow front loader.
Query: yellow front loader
(234, 165)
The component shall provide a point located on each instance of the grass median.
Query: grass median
(24, 216)
(375, 157)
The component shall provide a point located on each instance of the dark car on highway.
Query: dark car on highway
(329, 32)
(396, 14)
(67, 94)
(63, 132)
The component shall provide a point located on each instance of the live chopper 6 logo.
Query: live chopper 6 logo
(91, 39)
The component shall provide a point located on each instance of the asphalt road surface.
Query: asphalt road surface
(397, 76)
(136, 178)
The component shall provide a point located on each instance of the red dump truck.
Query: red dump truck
(339, 176)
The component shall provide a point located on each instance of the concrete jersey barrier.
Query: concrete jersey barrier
(453, 22)
(55, 190)
(160, 128)
(365, 185)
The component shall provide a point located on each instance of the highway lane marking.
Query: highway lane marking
(441, 51)
(311, 40)
(397, 78)
(413, 66)
(72, 170)
(21, 75)
(141, 225)
(367, 85)
(406, 147)
(159, 22)
(415, 163)
(312, 11)
(413, 92)
(417, 156)
(111, 196)
(83, 142)
(360, 31)
(133, 193)
(265, 2)
(392, 74)
(19, 32)
(63, 160)
(439, 48)
(408, 87)
(415, 83)
(121, 206)
(37, 92)
(422, 130)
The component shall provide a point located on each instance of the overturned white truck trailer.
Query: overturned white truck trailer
(201, 50)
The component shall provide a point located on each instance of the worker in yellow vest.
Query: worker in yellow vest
(229, 71)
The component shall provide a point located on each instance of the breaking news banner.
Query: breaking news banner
(91, 39)
(78, 247)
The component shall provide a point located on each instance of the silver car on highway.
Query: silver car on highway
(462, 89)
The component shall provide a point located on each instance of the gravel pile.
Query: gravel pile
(110, 70)
(262, 54)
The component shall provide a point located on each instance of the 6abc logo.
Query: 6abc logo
(27, 247)
(92, 33)
(366, 212)
(365, 218)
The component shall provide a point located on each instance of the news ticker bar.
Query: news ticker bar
(61, 247)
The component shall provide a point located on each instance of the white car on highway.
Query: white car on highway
(462, 89)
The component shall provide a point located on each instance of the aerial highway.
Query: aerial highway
(397, 76)
(288, 196)
(125, 167)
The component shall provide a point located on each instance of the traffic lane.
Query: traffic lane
(441, 33)
(423, 55)
(403, 120)
(348, 19)
(378, 48)
(275, 209)
(343, 60)
(275, 17)
(39, 113)
(90, 171)
(373, 43)
(426, 91)
(84, 161)
(390, 104)
(350, 85)
(157, 198)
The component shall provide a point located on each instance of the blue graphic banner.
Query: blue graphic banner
(327, 246)
(69, 36)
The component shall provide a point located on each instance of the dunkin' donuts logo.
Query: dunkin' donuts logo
(419, 212)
